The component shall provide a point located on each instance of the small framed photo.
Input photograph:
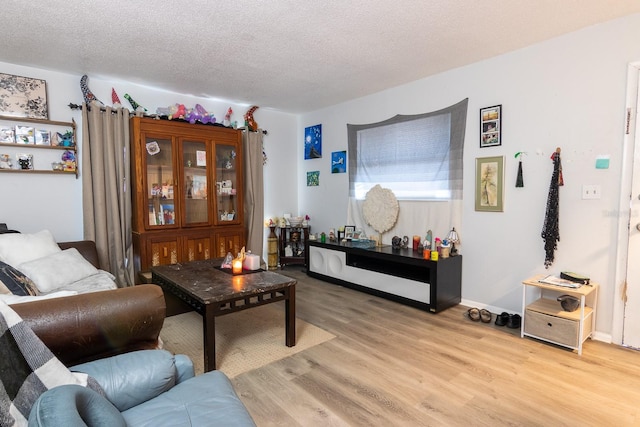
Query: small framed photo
(491, 126)
(7, 136)
(25, 135)
(42, 137)
(490, 184)
(349, 231)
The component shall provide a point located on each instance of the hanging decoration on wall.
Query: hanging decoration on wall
(519, 179)
(551, 227)
(86, 92)
(339, 162)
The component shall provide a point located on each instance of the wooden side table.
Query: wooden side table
(545, 319)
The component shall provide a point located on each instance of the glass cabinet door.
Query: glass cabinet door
(194, 166)
(160, 180)
(226, 184)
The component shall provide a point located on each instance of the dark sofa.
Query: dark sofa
(94, 325)
(113, 336)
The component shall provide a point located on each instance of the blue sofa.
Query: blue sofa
(143, 388)
(113, 336)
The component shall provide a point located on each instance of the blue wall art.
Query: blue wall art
(339, 162)
(313, 142)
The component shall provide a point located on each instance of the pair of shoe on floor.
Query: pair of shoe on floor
(479, 315)
(512, 321)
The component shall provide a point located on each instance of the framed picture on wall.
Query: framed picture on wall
(313, 179)
(23, 97)
(491, 126)
(313, 142)
(339, 162)
(490, 184)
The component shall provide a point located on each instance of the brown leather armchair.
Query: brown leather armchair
(91, 326)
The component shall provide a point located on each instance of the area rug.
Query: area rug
(244, 341)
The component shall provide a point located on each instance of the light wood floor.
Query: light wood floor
(393, 365)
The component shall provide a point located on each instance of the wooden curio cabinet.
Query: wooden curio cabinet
(187, 183)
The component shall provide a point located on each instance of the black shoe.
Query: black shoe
(502, 319)
(514, 321)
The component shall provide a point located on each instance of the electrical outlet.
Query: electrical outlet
(591, 192)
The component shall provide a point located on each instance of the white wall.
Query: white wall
(34, 202)
(567, 92)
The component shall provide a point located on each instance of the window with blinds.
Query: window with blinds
(418, 157)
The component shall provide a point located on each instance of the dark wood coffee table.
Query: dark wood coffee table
(213, 292)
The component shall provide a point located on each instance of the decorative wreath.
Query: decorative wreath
(380, 208)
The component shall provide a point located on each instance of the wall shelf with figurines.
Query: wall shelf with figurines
(38, 146)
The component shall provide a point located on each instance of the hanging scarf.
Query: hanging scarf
(519, 178)
(551, 228)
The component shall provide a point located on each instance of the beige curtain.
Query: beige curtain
(106, 193)
(254, 191)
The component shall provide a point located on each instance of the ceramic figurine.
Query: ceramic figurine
(5, 161)
(227, 117)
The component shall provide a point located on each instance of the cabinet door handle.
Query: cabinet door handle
(164, 252)
(199, 247)
(549, 324)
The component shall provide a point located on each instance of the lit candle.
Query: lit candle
(236, 266)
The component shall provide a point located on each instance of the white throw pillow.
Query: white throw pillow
(58, 270)
(17, 248)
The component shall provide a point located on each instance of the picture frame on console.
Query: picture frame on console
(349, 231)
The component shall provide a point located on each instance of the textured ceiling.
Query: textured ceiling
(292, 56)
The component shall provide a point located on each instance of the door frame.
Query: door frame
(624, 211)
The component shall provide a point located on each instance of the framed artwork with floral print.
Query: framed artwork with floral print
(23, 97)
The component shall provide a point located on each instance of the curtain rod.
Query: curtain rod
(154, 116)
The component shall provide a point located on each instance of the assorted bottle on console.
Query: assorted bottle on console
(432, 248)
